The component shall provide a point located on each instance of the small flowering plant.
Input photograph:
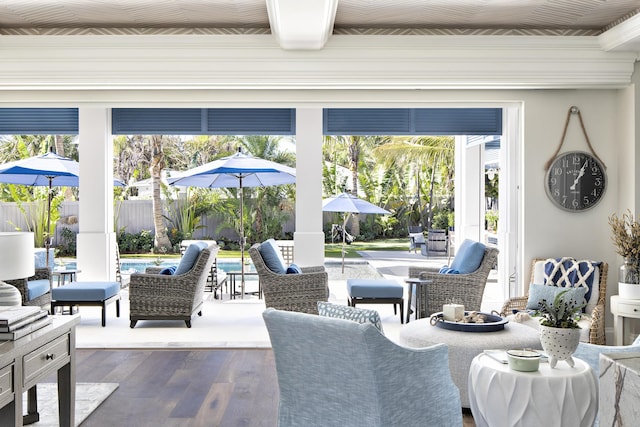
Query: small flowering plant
(561, 312)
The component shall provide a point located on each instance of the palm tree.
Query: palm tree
(161, 240)
(353, 152)
(429, 156)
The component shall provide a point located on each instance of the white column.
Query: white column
(308, 237)
(96, 239)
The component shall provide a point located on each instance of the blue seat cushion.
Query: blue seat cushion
(189, 258)
(374, 288)
(468, 257)
(85, 291)
(272, 256)
(37, 288)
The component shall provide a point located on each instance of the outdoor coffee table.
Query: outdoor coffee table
(464, 346)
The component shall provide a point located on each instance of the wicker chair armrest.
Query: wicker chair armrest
(596, 333)
(458, 279)
(153, 270)
(515, 303)
(416, 271)
(159, 284)
(41, 273)
(313, 269)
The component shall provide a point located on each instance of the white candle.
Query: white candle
(453, 312)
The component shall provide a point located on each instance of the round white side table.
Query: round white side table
(559, 397)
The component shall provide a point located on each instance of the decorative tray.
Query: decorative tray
(493, 323)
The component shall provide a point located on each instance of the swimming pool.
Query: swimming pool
(129, 266)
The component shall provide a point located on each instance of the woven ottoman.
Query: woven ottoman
(376, 291)
(87, 293)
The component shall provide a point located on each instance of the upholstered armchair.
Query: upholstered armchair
(464, 286)
(299, 290)
(593, 322)
(35, 290)
(176, 296)
(336, 372)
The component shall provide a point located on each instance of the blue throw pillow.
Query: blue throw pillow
(468, 257)
(445, 269)
(294, 269)
(549, 292)
(168, 271)
(272, 256)
(189, 258)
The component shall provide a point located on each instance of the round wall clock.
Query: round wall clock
(576, 181)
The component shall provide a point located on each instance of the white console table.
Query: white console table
(623, 308)
(30, 359)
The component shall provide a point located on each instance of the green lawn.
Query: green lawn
(331, 250)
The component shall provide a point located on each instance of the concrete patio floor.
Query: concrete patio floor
(237, 323)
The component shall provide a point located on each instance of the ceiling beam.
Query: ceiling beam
(302, 25)
(623, 37)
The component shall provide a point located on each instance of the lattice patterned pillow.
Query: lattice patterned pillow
(360, 315)
(569, 272)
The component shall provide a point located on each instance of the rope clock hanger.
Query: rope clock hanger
(575, 181)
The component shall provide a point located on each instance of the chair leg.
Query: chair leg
(188, 322)
(118, 308)
(133, 324)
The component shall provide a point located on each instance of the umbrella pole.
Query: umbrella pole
(47, 241)
(344, 233)
(241, 238)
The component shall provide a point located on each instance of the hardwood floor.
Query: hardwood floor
(185, 387)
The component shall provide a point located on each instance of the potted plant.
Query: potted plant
(626, 238)
(559, 329)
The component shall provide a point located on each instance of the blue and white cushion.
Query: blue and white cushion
(360, 315)
(569, 272)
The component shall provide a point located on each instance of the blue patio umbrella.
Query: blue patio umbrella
(237, 171)
(45, 170)
(348, 204)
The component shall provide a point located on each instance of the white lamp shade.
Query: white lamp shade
(16, 255)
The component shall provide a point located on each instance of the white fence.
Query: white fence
(132, 216)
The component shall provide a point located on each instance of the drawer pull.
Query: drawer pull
(49, 356)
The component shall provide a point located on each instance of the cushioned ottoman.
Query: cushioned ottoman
(376, 291)
(87, 293)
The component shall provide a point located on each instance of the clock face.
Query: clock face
(576, 181)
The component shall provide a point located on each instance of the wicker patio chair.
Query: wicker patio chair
(171, 297)
(44, 301)
(465, 289)
(596, 330)
(292, 292)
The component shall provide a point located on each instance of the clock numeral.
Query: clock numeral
(556, 192)
(586, 200)
(575, 203)
(557, 171)
(598, 182)
(553, 181)
(577, 160)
